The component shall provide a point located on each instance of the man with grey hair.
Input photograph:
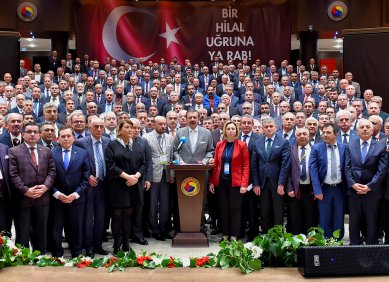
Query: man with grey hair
(366, 164)
(14, 124)
(270, 170)
(50, 113)
(377, 125)
(344, 121)
(78, 123)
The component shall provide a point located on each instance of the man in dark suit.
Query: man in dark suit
(54, 61)
(47, 132)
(95, 144)
(301, 207)
(154, 100)
(251, 200)
(344, 120)
(13, 136)
(366, 165)
(326, 164)
(5, 191)
(69, 191)
(270, 166)
(32, 172)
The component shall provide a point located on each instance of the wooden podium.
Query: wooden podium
(191, 187)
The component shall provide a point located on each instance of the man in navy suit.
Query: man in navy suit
(344, 120)
(270, 165)
(95, 144)
(69, 190)
(326, 165)
(366, 165)
(154, 100)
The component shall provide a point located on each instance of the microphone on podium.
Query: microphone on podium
(182, 142)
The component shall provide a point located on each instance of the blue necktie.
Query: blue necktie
(345, 138)
(364, 151)
(99, 160)
(66, 159)
(268, 147)
(36, 107)
(303, 175)
(245, 137)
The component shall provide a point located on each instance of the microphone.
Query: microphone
(182, 142)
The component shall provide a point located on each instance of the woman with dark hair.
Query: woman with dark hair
(231, 176)
(125, 166)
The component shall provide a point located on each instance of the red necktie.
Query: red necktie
(33, 156)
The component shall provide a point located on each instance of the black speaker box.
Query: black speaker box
(344, 260)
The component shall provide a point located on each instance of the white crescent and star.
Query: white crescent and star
(110, 39)
(170, 35)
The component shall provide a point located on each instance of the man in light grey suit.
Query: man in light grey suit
(162, 154)
(198, 148)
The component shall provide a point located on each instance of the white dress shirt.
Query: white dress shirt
(328, 179)
(193, 135)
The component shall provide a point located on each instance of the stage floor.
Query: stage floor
(58, 274)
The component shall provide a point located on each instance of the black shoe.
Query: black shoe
(126, 248)
(89, 253)
(140, 241)
(100, 251)
(159, 237)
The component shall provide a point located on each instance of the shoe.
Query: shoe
(100, 251)
(159, 237)
(140, 241)
(126, 248)
(89, 253)
(115, 251)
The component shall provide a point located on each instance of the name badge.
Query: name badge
(226, 168)
(163, 159)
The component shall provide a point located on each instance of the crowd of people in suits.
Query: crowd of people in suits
(84, 148)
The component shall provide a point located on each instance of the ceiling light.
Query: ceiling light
(30, 39)
(31, 45)
(338, 46)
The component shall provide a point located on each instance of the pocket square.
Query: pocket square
(202, 142)
(276, 147)
(6, 157)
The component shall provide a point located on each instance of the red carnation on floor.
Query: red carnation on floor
(171, 263)
(142, 259)
(83, 264)
(201, 261)
(1, 240)
(111, 261)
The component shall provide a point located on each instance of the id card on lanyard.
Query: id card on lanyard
(226, 165)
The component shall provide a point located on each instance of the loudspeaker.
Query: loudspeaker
(343, 260)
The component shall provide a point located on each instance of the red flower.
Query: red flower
(15, 252)
(84, 263)
(201, 261)
(171, 263)
(141, 260)
(111, 261)
(1, 240)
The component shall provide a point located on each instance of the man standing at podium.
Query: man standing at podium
(198, 148)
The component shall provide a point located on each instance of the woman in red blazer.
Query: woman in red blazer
(231, 176)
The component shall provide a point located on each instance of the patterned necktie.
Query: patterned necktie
(303, 175)
(345, 138)
(245, 137)
(268, 146)
(364, 151)
(99, 160)
(33, 156)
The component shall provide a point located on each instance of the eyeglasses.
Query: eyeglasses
(32, 131)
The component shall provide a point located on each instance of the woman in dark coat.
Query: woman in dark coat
(125, 166)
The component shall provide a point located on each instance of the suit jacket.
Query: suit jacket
(276, 167)
(76, 177)
(371, 172)
(5, 192)
(318, 164)
(240, 162)
(339, 138)
(5, 138)
(232, 111)
(203, 149)
(160, 104)
(148, 175)
(25, 174)
(216, 136)
(87, 144)
(295, 171)
(256, 110)
(158, 168)
(54, 63)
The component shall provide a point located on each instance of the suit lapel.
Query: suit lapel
(371, 148)
(199, 137)
(275, 143)
(90, 149)
(295, 155)
(57, 153)
(28, 154)
(73, 156)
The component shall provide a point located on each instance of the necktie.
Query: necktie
(16, 141)
(345, 138)
(286, 135)
(99, 160)
(245, 137)
(138, 100)
(364, 151)
(36, 107)
(98, 98)
(333, 163)
(50, 146)
(33, 156)
(66, 159)
(47, 93)
(108, 107)
(80, 136)
(112, 135)
(276, 111)
(154, 103)
(387, 145)
(147, 87)
(375, 138)
(268, 146)
(303, 175)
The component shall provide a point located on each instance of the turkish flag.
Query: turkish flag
(194, 30)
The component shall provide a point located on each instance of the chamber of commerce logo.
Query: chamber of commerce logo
(337, 11)
(27, 11)
(190, 186)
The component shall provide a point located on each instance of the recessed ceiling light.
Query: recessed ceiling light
(339, 40)
(30, 39)
(338, 46)
(31, 45)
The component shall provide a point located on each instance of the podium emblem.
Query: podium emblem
(190, 186)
